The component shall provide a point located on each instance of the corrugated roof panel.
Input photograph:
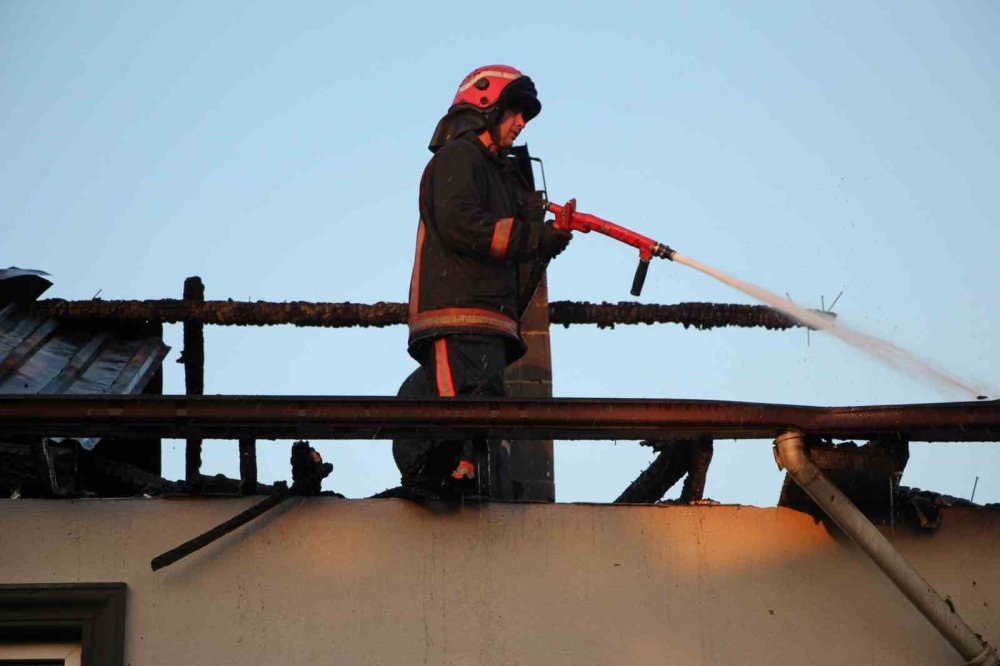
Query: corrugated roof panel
(26, 351)
(81, 358)
(145, 361)
(43, 355)
(14, 329)
(47, 363)
(39, 355)
(122, 367)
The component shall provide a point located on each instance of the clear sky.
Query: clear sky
(274, 149)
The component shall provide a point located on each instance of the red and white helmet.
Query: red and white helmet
(482, 98)
(485, 87)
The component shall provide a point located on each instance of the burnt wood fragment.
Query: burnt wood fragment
(308, 472)
(675, 458)
(700, 457)
(248, 466)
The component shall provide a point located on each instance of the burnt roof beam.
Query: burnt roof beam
(345, 315)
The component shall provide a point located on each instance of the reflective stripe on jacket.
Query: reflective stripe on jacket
(471, 241)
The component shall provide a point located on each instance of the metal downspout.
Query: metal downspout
(789, 450)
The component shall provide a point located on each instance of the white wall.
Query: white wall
(326, 581)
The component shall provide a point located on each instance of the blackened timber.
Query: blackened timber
(46, 467)
(700, 458)
(136, 479)
(653, 483)
(193, 358)
(230, 313)
(248, 466)
(345, 315)
(308, 484)
(699, 315)
(216, 533)
(285, 417)
(675, 458)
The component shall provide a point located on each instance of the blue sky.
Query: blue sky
(274, 149)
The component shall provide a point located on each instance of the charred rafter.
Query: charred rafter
(699, 315)
(345, 315)
(675, 458)
(230, 313)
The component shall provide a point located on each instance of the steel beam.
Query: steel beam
(290, 417)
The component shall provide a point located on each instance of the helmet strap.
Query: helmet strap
(493, 127)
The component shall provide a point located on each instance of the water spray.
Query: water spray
(569, 219)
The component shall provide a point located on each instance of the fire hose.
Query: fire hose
(569, 219)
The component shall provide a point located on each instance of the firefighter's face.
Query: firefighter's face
(510, 126)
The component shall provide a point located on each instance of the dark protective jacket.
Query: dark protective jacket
(478, 233)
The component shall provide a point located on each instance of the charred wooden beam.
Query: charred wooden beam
(138, 480)
(699, 315)
(699, 458)
(653, 483)
(46, 468)
(222, 485)
(34, 469)
(308, 472)
(675, 458)
(18, 468)
(240, 519)
(286, 417)
(193, 358)
(40, 469)
(337, 315)
(866, 474)
(231, 313)
(248, 466)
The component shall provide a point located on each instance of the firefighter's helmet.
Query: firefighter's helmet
(498, 87)
(481, 100)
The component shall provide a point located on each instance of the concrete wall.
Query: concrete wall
(386, 582)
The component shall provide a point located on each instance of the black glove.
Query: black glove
(533, 207)
(552, 241)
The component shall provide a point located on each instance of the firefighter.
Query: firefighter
(479, 228)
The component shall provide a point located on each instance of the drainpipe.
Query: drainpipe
(789, 453)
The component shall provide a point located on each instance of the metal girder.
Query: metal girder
(288, 417)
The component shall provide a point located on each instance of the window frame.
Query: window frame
(92, 613)
(68, 654)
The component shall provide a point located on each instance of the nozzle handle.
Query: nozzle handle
(640, 277)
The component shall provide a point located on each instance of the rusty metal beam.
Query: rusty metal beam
(285, 417)
(300, 313)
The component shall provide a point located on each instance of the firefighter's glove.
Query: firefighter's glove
(552, 241)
